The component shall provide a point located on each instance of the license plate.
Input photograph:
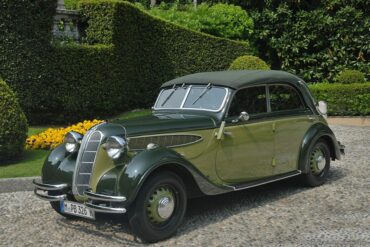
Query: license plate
(77, 209)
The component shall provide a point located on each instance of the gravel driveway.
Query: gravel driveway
(282, 213)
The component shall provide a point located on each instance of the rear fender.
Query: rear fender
(317, 131)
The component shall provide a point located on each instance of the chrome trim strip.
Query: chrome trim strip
(196, 109)
(298, 172)
(103, 209)
(48, 197)
(48, 187)
(101, 197)
(173, 146)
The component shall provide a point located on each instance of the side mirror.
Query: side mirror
(244, 117)
(323, 108)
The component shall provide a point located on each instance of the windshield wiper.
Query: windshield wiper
(203, 93)
(174, 88)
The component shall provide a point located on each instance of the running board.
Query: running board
(267, 180)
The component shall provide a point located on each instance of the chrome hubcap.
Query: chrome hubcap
(161, 205)
(320, 162)
(317, 161)
(166, 206)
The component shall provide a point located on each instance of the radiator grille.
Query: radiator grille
(139, 143)
(85, 160)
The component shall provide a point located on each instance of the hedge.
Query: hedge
(127, 55)
(154, 50)
(344, 99)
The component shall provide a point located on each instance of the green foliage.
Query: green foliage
(71, 4)
(222, 20)
(314, 43)
(128, 54)
(13, 125)
(248, 63)
(153, 50)
(350, 76)
(344, 99)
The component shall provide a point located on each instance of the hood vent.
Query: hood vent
(140, 143)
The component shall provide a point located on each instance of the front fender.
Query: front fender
(59, 167)
(127, 180)
(315, 132)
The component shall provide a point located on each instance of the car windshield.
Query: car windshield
(197, 97)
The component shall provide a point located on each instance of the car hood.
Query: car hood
(165, 123)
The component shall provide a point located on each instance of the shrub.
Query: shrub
(127, 54)
(350, 76)
(314, 40)
(222, 20)
(13, 125)
(248, 63)
(344, 99)
(51, 138)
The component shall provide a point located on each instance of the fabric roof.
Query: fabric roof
(235, 78)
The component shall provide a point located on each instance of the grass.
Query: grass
(32, 160)
(29, 166)
(35, 130)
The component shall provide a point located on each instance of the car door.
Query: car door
(292, 120)
(245, 153)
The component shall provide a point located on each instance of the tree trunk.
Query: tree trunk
(195, 2)
(153, 3)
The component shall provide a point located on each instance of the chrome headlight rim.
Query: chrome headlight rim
(72, 141)
(115, 146)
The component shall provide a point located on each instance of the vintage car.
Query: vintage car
(209, 133)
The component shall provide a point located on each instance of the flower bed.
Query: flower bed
(51, 138)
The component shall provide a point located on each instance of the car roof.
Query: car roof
(235, 78)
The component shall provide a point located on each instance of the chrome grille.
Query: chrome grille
(138, 143)
(85, 161)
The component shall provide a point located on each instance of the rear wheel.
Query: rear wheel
(318, 164)
(159, 207)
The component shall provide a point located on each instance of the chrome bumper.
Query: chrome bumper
(96, 202)
(102, 203)
(42, 191)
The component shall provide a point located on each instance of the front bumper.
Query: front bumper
(96, 202)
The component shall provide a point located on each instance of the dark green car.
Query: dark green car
(209, 133)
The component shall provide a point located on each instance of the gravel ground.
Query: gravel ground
(278, 214)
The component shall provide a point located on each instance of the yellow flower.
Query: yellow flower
(51, 138)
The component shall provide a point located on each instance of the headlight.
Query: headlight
(115, 147)
(72, 141)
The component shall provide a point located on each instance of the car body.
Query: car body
(209, 133)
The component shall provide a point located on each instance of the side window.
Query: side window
(251, 100)
(284, 97)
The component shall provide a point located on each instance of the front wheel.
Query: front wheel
(318, 164)
(159, 207)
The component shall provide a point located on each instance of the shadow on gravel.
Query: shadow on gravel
(201, 211)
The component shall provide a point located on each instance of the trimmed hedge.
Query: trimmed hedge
(127, 56)
(344, 99)
(350, 76)
(13, 125)
(154, 50)
(249, 62)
